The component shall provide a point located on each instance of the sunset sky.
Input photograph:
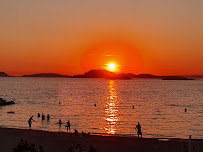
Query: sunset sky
(161, 37)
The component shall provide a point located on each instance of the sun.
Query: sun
(111, 67)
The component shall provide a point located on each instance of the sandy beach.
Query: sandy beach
(60, 142)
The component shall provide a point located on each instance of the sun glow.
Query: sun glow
(111, 67)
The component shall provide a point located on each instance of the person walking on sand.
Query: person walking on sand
(139, 132)
(30, 121)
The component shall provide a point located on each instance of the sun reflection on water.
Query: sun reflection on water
(111, 110)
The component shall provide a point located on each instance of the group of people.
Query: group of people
(24, 146)
(48, 117)
(138, 126)
(80, 149)
(38, 115)
(43, 116)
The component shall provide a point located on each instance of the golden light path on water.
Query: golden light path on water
(111, 109)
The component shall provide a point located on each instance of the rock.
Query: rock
(4, 102)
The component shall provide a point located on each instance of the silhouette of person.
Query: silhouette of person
(40, 149)
(48, 117)
(25, 146)
(92, 149)
(38, 115)
(20, 145)
(32, 148)
(60, 122)
(30, 121)
(70, 149)
(43, 117)
(76, 132)
(68, 125)
(185, 109)
(139, 132)
(78, 148)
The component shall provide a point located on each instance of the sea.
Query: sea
(164, 108)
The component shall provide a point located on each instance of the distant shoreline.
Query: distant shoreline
(109, 75)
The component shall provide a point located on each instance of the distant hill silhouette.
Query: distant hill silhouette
(149, 76)
(99, 74)
(175, 78)
(3, 74)
(96, 74)
(144, 76)
(47, 75)
(122, 76)
(193, 76)
(109, 75)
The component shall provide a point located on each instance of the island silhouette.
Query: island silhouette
(107, 75)
(3, 74)
(46, 75)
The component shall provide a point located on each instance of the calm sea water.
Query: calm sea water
(159, 105)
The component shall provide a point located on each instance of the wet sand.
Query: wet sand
(60, 142)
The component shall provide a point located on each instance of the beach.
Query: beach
(60, 142)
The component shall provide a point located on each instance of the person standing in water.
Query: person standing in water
(68, 125)
(59, 123)
(139, 132)
(43, 117)
(30, 121)
(48, 117)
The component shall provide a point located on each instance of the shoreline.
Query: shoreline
(104, 134)
(61, 141)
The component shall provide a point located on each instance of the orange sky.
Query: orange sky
(71, 37)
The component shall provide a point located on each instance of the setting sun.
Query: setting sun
(111, 67)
